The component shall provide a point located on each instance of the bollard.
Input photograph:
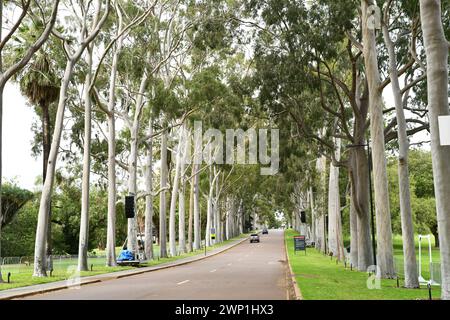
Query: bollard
(351, 267)
(398, 282)
(51, 272)
(9, 277)
(429, 291)
(345, 264)
(92, 266)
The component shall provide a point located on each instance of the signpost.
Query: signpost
(299, 244)
(444, 130)
(213, 233)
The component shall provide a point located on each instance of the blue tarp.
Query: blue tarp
(125, 255)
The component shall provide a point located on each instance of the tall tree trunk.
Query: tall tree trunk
(182, 219)
(191, 213)
(196, 201)
(436, 49)
(409, 252)
(334, 209)
(46, 142)
(385, 258)
(334, 206)
(181, 197)
(148, 238)
(353, 232)
(361, 200)
(173, 200)
(313, 213)
(162, 198)
(42, 225)
(112, 192)
(84, 221)
(216, 206)
(132, 244)
(321, 217)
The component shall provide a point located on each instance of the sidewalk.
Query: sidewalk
(59, 285)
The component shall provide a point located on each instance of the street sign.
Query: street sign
(444, 130)
(213, 233)
(299, 243)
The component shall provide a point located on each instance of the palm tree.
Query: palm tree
(38, 82)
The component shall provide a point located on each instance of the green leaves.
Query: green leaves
(13, 199)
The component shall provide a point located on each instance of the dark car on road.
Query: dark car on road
(254, 238)
(265, 231)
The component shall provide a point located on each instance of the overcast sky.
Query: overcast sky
(18, 163)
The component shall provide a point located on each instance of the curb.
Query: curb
(114, 277)
(297, 292)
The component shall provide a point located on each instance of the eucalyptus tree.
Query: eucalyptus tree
(436, 48)
(22, 54)
(128, 17)
(400, 99)
(85, 187)
(73, 52)
(385, 257)
(39, 83)
(335, 235)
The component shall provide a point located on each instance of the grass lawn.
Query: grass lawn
(320, 278)
(21, 275)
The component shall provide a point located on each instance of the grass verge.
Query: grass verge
(320, 278)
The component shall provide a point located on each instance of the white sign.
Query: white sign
(444, 130)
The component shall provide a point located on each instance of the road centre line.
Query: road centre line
(183, 282)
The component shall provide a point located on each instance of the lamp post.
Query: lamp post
(369, 163)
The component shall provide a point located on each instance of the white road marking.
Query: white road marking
(214, 270)
(229, 264)
(183, 282)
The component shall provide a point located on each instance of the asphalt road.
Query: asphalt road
(247, 271)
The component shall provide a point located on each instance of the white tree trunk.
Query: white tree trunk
(196, 198)
(112, 192)
(216, 207)
(409, 252)
(174, 196)
(436, 49)
(334, 208)
(385, 258)
(313, 214)
(181, 198)
(148, 240)
(321, 219)
(84, 221)
(190, 245)
(41, 230)
(162, 198)
(132, 244)
(353, 232)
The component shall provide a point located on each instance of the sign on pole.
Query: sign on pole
(213, 233)
(444, 130)
(299, 243)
